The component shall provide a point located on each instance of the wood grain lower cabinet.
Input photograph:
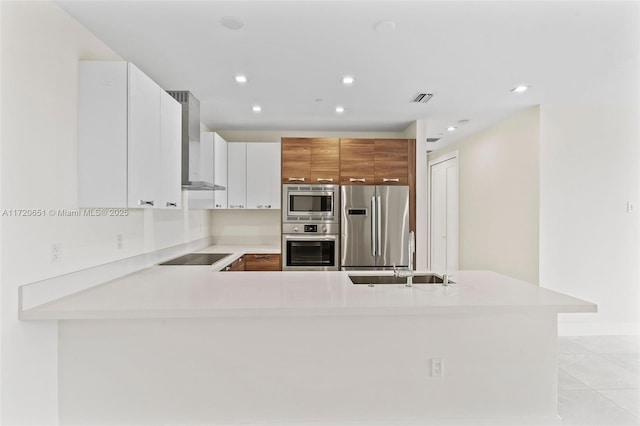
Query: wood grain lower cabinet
(236, 265)
(262, 262)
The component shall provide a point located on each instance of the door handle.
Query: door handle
(170, 204)
(357, 180)
(325, 179)
(379, 225)
(145, 203)
(391, 179)
(295, 179)
(374, 220)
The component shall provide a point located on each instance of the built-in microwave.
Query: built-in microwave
(310, 203)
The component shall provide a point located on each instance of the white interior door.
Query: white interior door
(443, 228)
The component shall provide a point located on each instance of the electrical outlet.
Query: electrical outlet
(56, 252)
(119, 241)
(436, 367)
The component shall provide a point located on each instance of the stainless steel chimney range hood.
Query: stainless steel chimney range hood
(191, 142)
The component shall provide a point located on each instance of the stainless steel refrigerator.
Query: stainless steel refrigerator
(374, 227)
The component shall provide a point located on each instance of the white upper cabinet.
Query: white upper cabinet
(220, 171)
(211, 168)
(237, 175)
(144, 140)
(170, 151)
(263, 175)
(127, 139)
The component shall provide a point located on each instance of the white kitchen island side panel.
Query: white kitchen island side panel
(498, 368)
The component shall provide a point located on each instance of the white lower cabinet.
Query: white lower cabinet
(254, 175)
(128, 139)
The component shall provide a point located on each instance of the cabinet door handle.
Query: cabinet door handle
(325, 179)
(262, 256)
(145, 203)
(391, 179)
(294, 179)
(357, 180)
(170, 204)
(218, 205)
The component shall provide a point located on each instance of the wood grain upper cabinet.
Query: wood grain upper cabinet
(357, 157)
(296, 160)
(391, 162)
(325, 160)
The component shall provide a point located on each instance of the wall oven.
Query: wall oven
(310, 247)
(310, 203)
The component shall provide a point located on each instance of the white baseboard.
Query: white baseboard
(35, 294)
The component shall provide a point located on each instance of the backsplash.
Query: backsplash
(245, 226)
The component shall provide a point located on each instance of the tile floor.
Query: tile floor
(598, 380)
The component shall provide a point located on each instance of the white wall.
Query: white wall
(498, 197)
(41, 47)
(589, 244)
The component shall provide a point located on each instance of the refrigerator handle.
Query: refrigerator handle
(379, 225)
(374, 221)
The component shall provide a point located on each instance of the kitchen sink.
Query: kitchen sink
(390, 279)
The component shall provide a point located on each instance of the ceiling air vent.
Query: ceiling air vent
(422, 98)
(433, 139)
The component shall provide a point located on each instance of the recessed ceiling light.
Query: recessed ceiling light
(451, 129)
(347, 79)
(384, 26)
(231, 22)
(520, 89)
(339, 109)
(241, 78)
(256, 108)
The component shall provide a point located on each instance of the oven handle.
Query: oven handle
(298, 237)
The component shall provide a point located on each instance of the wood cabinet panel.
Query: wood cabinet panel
(262, 262)
(325, 160)
(391, 162)
(296, 160)
(357, 157)
(236, 265)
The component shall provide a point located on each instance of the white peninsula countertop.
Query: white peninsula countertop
(204, 292)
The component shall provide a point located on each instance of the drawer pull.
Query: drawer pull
(357, 180)
(391, 179)
(295, 179)
(262, 256)
(145, 203)
(325, 179)
(170, 204)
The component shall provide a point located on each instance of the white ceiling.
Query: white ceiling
(469, 53)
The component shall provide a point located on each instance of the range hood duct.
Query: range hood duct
(191, 140)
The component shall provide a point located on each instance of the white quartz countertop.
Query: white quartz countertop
(202, 291)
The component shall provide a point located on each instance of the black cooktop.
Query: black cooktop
(197, 259)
